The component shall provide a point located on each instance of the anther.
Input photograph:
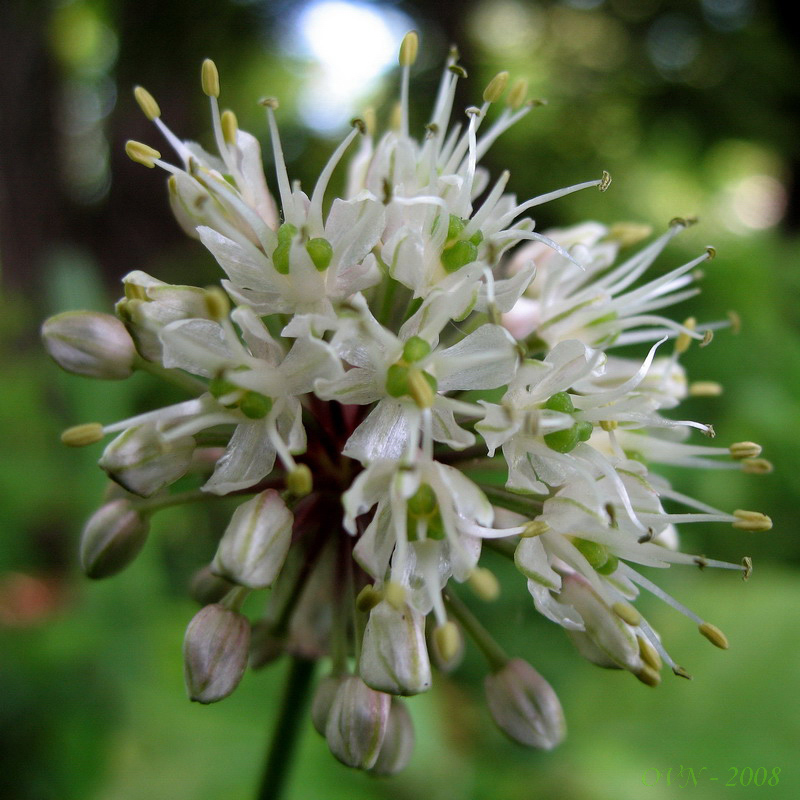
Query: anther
(369, 120)
(628, 234)
(269, 102)
(605, 181)
(395, 594)
(609, 424)
(368, 598)
(82, 435)
(141, 153)
(745, 450)
(627, 613)
(457, 69)
(535, 527)
(230, 126)
(705, 389)
(495, 88)
(359, 123)
(409, 48)
(649, 654)
(448, 640)
(648, 676)
(708, 335)
(147, 103)
(736, 321)
(747, 568)
(419, 389)
(684, 340)
(711, 252)
(209, 78)
(217, 303)
(681, 672)
(751, 521)
(299, 481)
(519, 91)
(714, 635)
(483, 582)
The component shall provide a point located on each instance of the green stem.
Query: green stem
(173, 376)
(494, 654)
(286, 730)
(519, 503)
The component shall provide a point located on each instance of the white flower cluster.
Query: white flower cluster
(395, 388)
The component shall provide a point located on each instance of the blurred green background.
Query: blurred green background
(693, 108)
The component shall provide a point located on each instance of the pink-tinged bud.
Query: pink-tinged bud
(142, 461)
(215, 651)
(394, 657)
(357, 723)
(398, 744)
(89, 343)
(524, 705)
(256, 541)
(324, 695)
(112, 538)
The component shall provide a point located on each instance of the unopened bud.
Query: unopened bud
(142, 461)
(524, 705)
(255, 543)
(215, 651)
(89, 343)
(394, 657)
(112, 538)
(357, 722)
(398, 743)
(206, 587)
(322, 701)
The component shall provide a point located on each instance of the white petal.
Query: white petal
(196, 345)
(383, 434)
(485, 359)
(249, 457)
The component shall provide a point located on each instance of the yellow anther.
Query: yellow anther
(368, 598)
(448, 640)
(495, 88)
(648, 676)
(684, 340)
(209, 78)
(519, 91)
(609, 424)
(705, 389)
(419, 389)
(711, 252)
(751, 521)
(457, 69)
(484, 583)
(628, 234)
(649, 654)
(141, 153)
(359, 123)
(368, 116)
(269, 102)
(745, 450)
(535, 527)
(627, 613)
(147, 103)
(708, 336)
(81, 435)
(683, 222)
(230, 126)
(714, 635)
(736, 321)
(409, 49)
(395, 595)
(299, 481)
(757, 466)
(747, 568)
(605, 181)
(217, 303)
(681, 672)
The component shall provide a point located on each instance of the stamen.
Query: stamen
(315, 209)
(741, 450)
(217, 303)
(705, 389)
(751, 521)
(536, 527)
(519, 91)
(209, 78)
(368, 598)
(447, 638)
(484, 583)
(495, 88)
(83, 435)
(395, 594)
(714, 635)
(141, 153)
(147, 103)
(649, 654)
(284, 188)
(408, 55)
(756, 466)
(627, 613)
(230, 126)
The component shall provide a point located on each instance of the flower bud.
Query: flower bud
(524, 705)
(398, 743)
(143, 461)
(215, 651)
(255, 543)
(112, 538)
(89, 343)
(609, 637)
(323, 699)
(394, 657)
(357, 723)
(206, 587)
